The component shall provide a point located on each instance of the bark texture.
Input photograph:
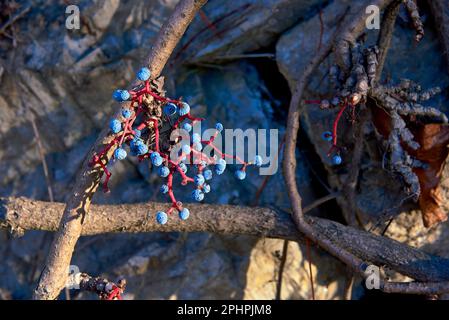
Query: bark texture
(22, 214)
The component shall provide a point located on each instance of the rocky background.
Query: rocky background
(236, 64)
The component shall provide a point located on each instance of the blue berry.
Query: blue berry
(184, 109)
(154, 154)
(326, 136)
(219, 171)
(164, 188)
(157, 161)
(206, 188)
(196, 138)
(187, 127)
(197, 195)
(186, 149)
(336, 160)
(197, 146)
(219, 127)
(258, 161)
(137, 133)
(207, 174)
(221, 164)
(144, 74)
(170, 109)
(164, 171)
(183, 167)
(184, 214)
(126, 113)
(199, 179)
(161, 217)
(240, 174)
(120, 154)
(141, 148)
(115, 126)
(121, 95)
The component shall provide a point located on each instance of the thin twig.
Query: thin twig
(281, 269)
(14, 18)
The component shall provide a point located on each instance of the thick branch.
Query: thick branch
(24, 214)
(55, 272)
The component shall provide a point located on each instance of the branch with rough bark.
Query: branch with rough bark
(21, 214)
(88, 179)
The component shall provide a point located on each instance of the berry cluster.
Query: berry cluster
(145, 116)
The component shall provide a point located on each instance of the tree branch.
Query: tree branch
(19, 214)
(55, 271)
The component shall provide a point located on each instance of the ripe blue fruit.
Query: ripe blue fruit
(221, 164)
(121, 95)
(137, 133)
(184, 214)
(184, 109)
(141, 148)
(336, 160)
(144, 74)
(219, 127)
(197, 195)
(207, 174)
(115, 126)
(199, 179)
(161, 217)
(170, 109)
(326, 136)
(164, 171)
(126, 113)
(187, 127)
(120, 154)
(164, 188)
(240, 174)
(258, 161)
